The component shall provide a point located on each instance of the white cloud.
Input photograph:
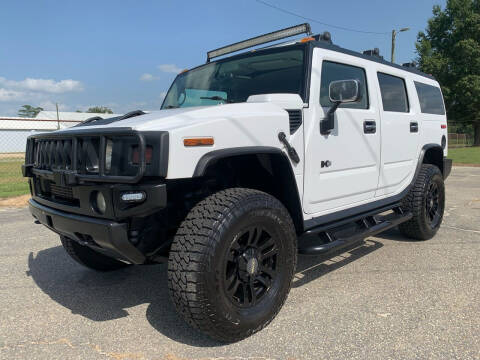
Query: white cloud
(43, 85)
(11, 95)
(148, 77)
(169, 68)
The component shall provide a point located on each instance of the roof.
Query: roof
(65, 115)
(328, 46)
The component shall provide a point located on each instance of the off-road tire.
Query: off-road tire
(419, 226)
(200, 249)
(90, 258)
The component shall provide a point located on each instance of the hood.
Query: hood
(171, 119)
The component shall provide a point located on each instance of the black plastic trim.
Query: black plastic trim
(156, 199)
(107, 234)
(212, 157)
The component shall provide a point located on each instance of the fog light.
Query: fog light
(137, 196)
(100, 203)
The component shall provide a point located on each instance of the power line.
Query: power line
(320, 22)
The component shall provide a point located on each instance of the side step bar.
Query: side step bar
(333, 237)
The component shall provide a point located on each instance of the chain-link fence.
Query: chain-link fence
(13, 138)
(459, 140)
(460, 134)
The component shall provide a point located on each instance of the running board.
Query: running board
(333, 237)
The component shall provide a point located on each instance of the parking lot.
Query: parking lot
(388, 298)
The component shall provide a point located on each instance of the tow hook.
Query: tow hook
(292, 153)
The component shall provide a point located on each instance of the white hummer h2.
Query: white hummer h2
(301, 147)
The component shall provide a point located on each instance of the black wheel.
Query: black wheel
(426, 201)
(232, 262)
(90, 258)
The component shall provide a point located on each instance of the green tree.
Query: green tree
(449, 49)
(29, 111)
(100, 110)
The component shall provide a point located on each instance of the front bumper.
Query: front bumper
(106, 234)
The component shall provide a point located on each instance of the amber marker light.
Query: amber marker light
(206, 141)
(307, 39)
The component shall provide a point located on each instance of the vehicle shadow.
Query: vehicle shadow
(310, 268)
(107, 296)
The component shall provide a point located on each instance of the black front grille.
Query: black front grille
(295, 117)
(96, 155)
(57, 154)
(62, 192)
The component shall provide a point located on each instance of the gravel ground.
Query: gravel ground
(387, 299)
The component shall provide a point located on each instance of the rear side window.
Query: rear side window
(332, 71)
(430, 97)
(394, 93)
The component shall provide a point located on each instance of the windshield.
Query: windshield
(233, 81)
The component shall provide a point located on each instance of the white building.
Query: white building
(15, 130)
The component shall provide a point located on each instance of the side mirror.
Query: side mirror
(344, 91)
(340, 92)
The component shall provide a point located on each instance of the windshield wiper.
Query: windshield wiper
(217, 98)
(171, 107)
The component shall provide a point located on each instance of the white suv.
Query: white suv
(302, 147)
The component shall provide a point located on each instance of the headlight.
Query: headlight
(108, 156)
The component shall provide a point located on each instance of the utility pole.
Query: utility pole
(58, 117)
(394, 36)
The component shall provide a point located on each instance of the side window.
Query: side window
(394, 93)
(430, 99)
(332, 71)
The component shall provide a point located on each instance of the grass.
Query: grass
(12, 183)
(468, 155)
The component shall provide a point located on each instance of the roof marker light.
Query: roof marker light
(307, 39)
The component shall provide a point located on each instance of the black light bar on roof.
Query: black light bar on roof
(258, 40)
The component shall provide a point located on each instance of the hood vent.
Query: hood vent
(295, 117)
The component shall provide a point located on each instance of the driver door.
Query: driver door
(342, 168)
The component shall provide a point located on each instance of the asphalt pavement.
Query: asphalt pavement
(389, 298)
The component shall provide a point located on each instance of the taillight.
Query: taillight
(136, 155)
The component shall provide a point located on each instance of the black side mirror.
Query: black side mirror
(340, 92)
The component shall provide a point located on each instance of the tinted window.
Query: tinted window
(332, 72)
(430, 99)
(234, 80)
(394, 93)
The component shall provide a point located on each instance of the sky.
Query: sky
(125, 54)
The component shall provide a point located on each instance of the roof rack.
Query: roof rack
(262, 39)
(374, 52)
(412, 64)
(326, 36)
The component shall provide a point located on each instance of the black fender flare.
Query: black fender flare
(291, 197)
(214, 156)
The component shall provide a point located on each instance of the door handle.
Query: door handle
(369, 127)
(413, 127)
